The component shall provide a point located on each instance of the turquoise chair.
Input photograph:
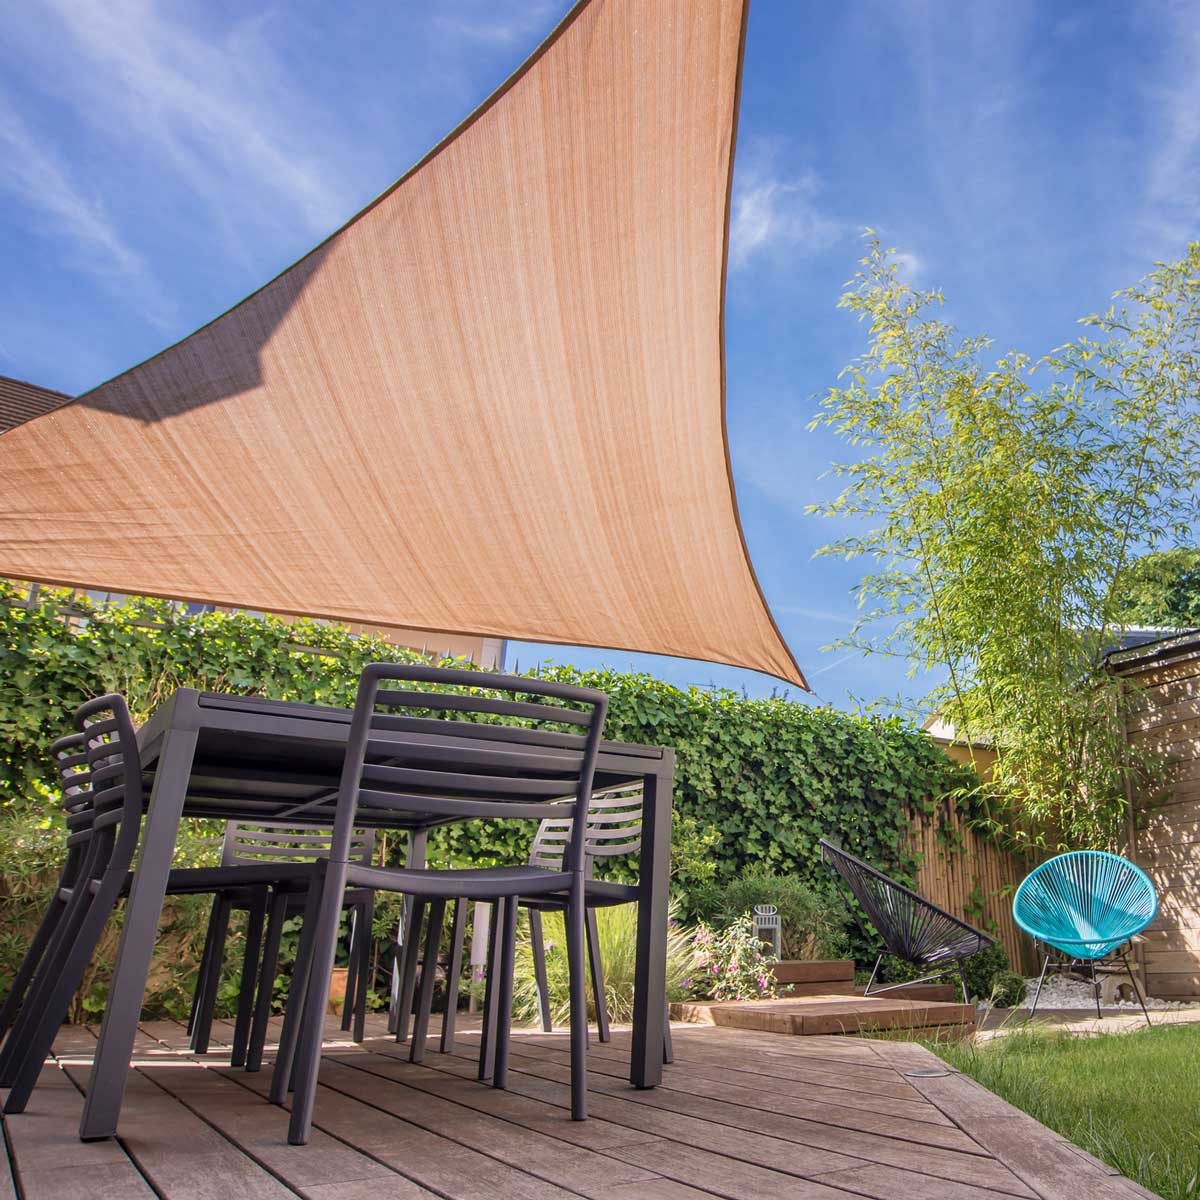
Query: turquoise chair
(1085, 905)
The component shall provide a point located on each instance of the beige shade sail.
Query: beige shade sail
(493, 402)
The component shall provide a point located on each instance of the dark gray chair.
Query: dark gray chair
(77, 807)
(911, 928)
(281, 844)
(421, 753)
(109, 822)
(614, 828)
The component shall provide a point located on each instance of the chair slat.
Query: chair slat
(448, 702)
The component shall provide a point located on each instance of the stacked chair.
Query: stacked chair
(1082, 907)
(101, 772)
(910, 927)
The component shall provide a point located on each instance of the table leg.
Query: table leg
(102, 1105)
(654, 880)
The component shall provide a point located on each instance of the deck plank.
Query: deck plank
(260, 1131)
(809, 1136)
(747, 1096)
(52, 1163)
(154, 1129)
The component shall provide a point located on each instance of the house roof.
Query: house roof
(21, 401)
(492, 403)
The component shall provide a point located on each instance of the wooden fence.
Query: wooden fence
(973, 878)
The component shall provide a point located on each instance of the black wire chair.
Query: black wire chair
(911, 928)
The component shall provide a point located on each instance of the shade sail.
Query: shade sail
(491, 403)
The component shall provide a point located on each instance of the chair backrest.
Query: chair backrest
(247, 843)
(467, 744)
(911, 927)
(1085, 903)
(74, 777)
(114, 779)
(614, 827)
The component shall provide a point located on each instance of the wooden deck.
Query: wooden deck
(742, 1115)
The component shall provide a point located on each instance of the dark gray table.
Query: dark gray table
(206, 754)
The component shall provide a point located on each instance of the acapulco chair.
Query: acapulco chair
(911, 928)
(1084, 906)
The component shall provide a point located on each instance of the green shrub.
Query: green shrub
(1008, 989)
(813, 923)
(980, 969)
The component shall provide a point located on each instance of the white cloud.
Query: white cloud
(211, 106)
(495, 26)
(57, 205)
(1171, 210)
(774, 211)
(909, 266)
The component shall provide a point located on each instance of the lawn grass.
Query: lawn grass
(1130, 1099)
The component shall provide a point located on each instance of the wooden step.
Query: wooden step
(828, 1014)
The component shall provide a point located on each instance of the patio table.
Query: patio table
(208, 754)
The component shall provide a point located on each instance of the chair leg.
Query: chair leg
(1041, 980)
(289, 1036)
(202, 972)
(266, 982)
(255, 915)
(596, 964)
(537, 948)
(310, 1044)
(363, 990)
(393, 1016)
(433, 938)
(55, 1001)
(41, 987)
(504, 992)
(578, 988)
(874, 972)
(207, 1000)
(408, 973)
(352, 966)
(453, 973)
(962, 978)
(668, 1045)
(487, 1037)
(1137, 987)
(29, 964)
(1096, 990)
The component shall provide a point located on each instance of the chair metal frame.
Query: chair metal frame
(613, 829)
(912, 928)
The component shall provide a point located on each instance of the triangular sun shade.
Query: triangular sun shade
(491, 403)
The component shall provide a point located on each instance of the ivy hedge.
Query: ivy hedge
(770, 776)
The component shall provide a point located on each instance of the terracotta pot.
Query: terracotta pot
(337, 989)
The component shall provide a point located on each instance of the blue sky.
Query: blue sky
(160, 161)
